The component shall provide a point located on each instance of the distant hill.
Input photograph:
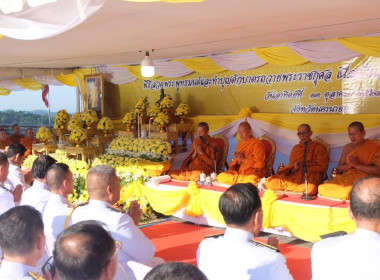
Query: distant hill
(9, 117)
(43, 112)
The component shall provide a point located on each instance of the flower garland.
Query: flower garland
(43, 134)
(129, 118)
(61, 119)
(161, 119)
(89, 117)
(245, 112)
(182, 110)
(105, 124)
(78, 135)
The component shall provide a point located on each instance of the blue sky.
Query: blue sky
(60, 97)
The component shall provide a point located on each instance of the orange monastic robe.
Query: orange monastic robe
(15, 138)
(340, 187)
(28, 142)
(192, 167)
(249, 171)
(317, 162)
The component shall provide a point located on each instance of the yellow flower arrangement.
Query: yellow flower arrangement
(154, 110)
(43, 134)
(61, 119)
(182, 110)
(105, 124)
(161, 119)
(129, 118)
(142, 104)
(78, 135)
(73, 123)
(245, 112)
(28, 162)
(77, 116)
(89, 117)
(167, 102)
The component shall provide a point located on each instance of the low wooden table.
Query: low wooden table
(87, 154)
(129, 134)
(172, 133)
(101, 142)
(43, 148)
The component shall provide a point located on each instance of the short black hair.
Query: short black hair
(19, 229)
(365, 198)
(175, 271)
(86, 261)
(56, 174)
(3, 158)
(15, 149)
(238, 203)
(15, 124)
(41, 166)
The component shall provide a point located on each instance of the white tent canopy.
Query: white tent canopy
(118, 30)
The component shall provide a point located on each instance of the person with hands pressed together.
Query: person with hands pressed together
(248, 165)
(16, 176)
(201, 158)
(360, 158)
(103, 187)
(292, 177)
(8, 198)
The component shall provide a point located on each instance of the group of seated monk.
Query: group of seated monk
(360, 158)
(28, 140)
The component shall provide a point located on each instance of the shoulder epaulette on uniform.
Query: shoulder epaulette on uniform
(35, 276)
(116, 209)
(258, 243)
(261, 244)
(1, 186)
(82, 204)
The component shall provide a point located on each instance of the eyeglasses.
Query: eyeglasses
(303, 133)
(118, 246)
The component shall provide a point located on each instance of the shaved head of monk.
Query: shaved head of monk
(245, 131)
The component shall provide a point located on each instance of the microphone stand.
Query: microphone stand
(306, 196)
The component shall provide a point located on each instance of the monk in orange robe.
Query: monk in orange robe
(201, 157)
(28, 141)
(16, 136)
(4, 143)
(248, 165)
(292, 177)
(360, 158)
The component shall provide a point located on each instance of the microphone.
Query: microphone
(207, 143)
(304, 158)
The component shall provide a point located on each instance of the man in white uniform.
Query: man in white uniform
(354, 256)
(56, 210)
(39, 192)
(8, 198)
(78, 254)
(234, 256)
(16, 156)
(22, 241)
(103, 187)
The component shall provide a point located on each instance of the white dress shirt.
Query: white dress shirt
(15, 271)
(234, 256)
(15, 177)
(354, 256)
(135, 245)
(6, 199)
(36, 194)
(54, 214)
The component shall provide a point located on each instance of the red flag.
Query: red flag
(45, 92)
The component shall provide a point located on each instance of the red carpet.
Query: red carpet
(179, 242)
